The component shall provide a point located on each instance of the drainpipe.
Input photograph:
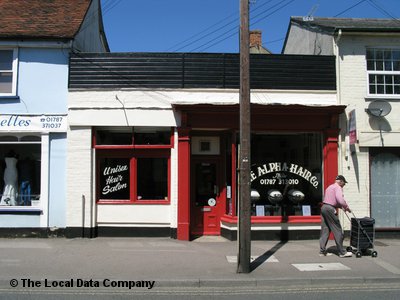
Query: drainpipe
(339, 98)
(339, 36)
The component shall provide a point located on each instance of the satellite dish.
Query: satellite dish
(379, 108)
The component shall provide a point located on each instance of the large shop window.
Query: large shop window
(20, 161)
(133, 165)
(8, 70)
(383, 68)
(286, 174)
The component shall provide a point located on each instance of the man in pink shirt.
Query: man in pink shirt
(333, 199)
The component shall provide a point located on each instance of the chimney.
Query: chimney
(255, 38)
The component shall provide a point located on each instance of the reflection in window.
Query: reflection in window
(20, 166)
(152, 136)
(114, 137)
(286, 173)
(30, 138)
(146, 136)
(383, 67)
(8, 138)
(6, 71)
(152, 178)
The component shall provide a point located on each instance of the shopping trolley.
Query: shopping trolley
(362, 235)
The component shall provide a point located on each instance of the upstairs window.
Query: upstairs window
(383, 68)
(8, 71)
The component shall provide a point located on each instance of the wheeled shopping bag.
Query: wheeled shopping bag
(362, 236)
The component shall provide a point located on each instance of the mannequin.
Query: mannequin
(10, 181)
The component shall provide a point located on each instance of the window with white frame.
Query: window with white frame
(8, 72)
(20, 170)
(383, 67)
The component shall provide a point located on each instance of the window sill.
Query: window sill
(276, 219)
(122, 147)
(382, 97)
(138, 202)
(10, 97)
(20, 210)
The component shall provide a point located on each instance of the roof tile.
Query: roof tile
(41, 18)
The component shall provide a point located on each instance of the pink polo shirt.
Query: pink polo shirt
(334, 196)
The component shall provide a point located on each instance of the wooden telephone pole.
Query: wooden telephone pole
(244, 211)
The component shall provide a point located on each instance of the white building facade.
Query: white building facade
(368, 82)
(153, 144)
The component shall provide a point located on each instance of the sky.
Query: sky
(213, 25)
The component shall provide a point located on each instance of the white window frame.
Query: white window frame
(44, 143)
(381, 72)
(14, 72)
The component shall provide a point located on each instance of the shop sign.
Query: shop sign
(352, 127)
(280, 172)
(115, 180)
(37, 123)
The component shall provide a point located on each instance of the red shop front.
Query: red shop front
(294, 156)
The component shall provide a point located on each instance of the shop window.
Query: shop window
(114, 137)
(152, 136)
(20, 165)
(152, 178)
(138, 136)
(114, 178)
(383, 68)
(133, 176)
(30, 138)
(8, 70)
(133, 165)
(286, 174)
(8, 138)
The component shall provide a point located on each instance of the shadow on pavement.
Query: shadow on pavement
(263, 258)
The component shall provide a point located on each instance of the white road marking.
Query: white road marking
(321, 267)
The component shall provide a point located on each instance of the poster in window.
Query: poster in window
(114, 179)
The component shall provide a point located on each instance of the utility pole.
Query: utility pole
(244, 211)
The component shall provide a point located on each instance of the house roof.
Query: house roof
(42, 18)
(350, 24)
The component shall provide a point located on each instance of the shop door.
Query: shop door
(207, 201)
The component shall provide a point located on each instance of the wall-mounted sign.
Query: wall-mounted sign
(352, 127)
(33, 123)
(280, 174)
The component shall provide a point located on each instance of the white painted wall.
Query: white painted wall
(79, 175)
(353, 92)
(142, 108)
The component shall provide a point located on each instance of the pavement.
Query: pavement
(204, 262)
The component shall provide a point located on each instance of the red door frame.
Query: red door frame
(220, 198)
(183, 230)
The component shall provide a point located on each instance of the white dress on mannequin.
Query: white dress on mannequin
(11, 182)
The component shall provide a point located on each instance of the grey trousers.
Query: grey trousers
(330, 223)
